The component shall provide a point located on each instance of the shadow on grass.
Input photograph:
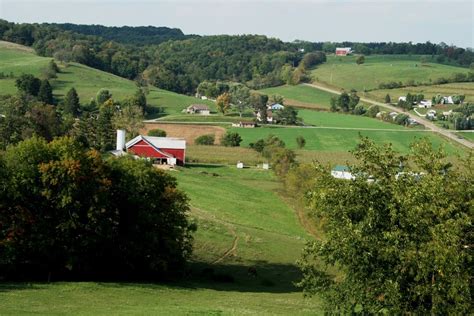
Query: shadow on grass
(202, 166)
(259, 277)
(18, 286)
(269, 278)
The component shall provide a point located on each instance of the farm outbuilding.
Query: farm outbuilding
(162, 150)
(244, 124)
(198, 109)
(342, 172)
(343, 51)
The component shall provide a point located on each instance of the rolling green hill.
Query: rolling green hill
(302, 96)
(343, 72)
(19, 59)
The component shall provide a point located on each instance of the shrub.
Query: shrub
(205, 140)
(300, 141)
(157, 132)
(231, 139)
(373, 110)
(359, 110)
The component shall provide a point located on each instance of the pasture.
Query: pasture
(342, 140)
(341, 120)
(87, 81)
(343, 72)
(465, 88)
(302, 96)
(249, 226)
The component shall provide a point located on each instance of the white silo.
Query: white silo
(120, 140)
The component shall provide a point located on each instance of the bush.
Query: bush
(157, 132)
(300, 141)
(205, 140)
(231, 139)
(359, 110)
(373, 110)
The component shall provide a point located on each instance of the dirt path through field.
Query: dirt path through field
(203, 214)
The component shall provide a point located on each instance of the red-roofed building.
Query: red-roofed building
(164, 150)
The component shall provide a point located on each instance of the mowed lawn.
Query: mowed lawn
(242, 221)
(340, 140)
(87, 81)
(343, 72)
(302, 96)
(464, 88)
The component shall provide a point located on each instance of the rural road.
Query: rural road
(426, 123)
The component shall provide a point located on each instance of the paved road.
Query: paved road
(426, 123)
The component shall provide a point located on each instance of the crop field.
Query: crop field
(187, 131)
(86, 80)
(302, 96)
(465, 88)
(343, 72)
(339, 140)
(231, 237)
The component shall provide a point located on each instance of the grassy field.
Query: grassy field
(302, 96)
(18, 59)
(231, 237)
(339, 140)
(330, 119)
(231, 155)
(343, 72)
(467, 135)
(465, 88)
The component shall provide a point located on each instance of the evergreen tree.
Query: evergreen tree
(139, 99)
(45, 93)
(71, 102)
(105, 129)
(102, 96)
(388, 99)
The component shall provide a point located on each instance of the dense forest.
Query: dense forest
(139, 35)
(180, 62)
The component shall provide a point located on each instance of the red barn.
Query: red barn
(165, 150)
(343, 51)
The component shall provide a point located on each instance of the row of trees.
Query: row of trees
(33, 112)
(67, 212)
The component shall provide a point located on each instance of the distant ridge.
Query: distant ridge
(139, 35)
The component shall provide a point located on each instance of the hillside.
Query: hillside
(18, 59)
(343, 72)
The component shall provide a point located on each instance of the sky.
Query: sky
(446, 21)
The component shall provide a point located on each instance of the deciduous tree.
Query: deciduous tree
(223, 102)
(399, 234)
